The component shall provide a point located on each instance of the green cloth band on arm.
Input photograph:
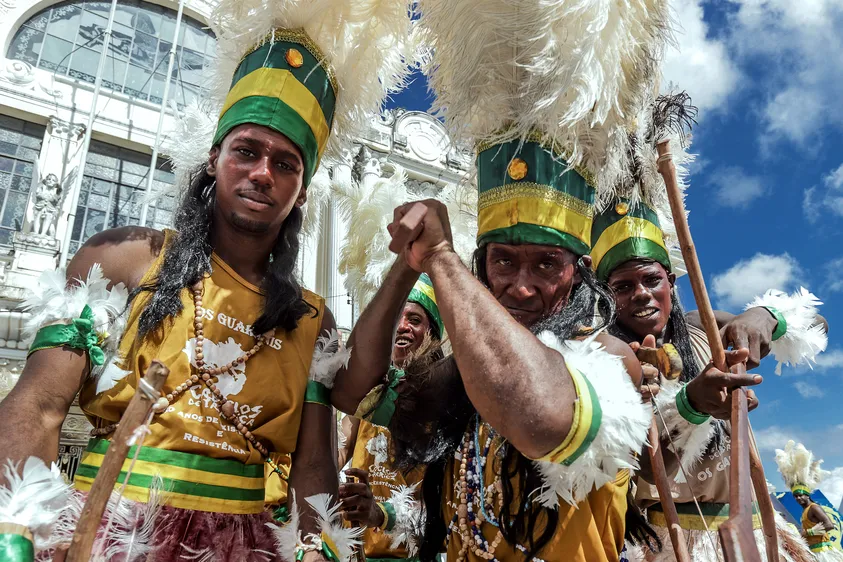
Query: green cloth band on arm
(781, 327)
(382, 414)
(389, 512)
(16, 548)
(79, 334)
(317, 393)
(686, 410)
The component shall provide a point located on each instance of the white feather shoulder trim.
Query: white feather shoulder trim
(52, 301)
(804, 338)
(329, 356)
(35, 498)
(622, 432)
(689, 441)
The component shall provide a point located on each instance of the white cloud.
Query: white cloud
(795, 44)
(698, 63)
(828, 197)
(832, 487)
(834, 275)
(747, 279)
(808, 390)
(736, 188)
(773, 437)
(832, 359)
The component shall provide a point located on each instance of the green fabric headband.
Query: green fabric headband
(284, 84)
(622, 233)
(423, 295)
(529, 195)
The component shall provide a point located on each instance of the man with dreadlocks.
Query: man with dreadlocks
(218, 302)
(383, 497)
(635, 251)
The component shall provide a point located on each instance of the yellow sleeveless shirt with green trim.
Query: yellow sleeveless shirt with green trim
(208, 464)
(590, 532)
(371, 453)
(830, 540)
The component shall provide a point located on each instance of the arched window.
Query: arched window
(67, 39)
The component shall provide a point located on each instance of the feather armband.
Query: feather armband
(610, 425)
(79, 334)
(404, 518)
(334, 541)
(689, 431)
(798, 337)
(329, 356)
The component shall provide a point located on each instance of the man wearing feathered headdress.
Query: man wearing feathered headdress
(218, 302)
(635, 251)
(529, 431)
(821, 525)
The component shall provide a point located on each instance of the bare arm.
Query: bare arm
(313, 468)
(371, 339)
(350, 427)
(34, 410)
(516, 383)
(817, 515)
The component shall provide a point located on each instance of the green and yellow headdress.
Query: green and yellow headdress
(529, 195)
(624, 232)
(801, 471)
(546, 95)
(423, 295)
(314, 70)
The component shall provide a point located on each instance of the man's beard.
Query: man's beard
(577, 314)
(248, 225)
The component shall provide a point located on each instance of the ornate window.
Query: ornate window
(67, 39)
(113, 192)
(20, 145)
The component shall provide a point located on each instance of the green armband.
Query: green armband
(388, 516)
(317, 393)
(683, 405)
(79, 334)
(16, 543)
(382, 414)
(781, 326)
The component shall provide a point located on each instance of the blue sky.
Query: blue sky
(766, 195)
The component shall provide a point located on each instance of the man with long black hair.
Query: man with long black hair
(251, 355)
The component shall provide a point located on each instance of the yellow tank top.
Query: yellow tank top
(371, 453)
(591, 532)
(268, 390)
(830, 540)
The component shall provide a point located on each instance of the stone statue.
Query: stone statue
(45, 210)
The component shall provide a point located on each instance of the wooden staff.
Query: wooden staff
(677, 537)
(736, 533)
(148, 391)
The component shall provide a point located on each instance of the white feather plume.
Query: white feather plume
(578, 72)
(805, 337)
(54, 301)
(622, 432)
(409, 519)
(329, 355)
(688, 441)
(188, 143)
(288, 536)
(331, 525)
(797, 465)
(365, 258)
(35, 498)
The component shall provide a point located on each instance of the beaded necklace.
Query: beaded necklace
(209, 376)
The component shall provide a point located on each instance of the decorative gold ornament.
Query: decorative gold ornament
(294, 58)
(517, 169)
(622, 208)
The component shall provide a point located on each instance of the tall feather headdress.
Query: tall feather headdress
(801, 471)
(636, 220)
(547, 92)
(314, 70)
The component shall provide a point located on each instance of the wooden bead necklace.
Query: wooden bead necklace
(209, 376)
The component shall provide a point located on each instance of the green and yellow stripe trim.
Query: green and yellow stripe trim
(800, 489)
(190, 481)
(422, 294)
(689, 519)
(295, 98)
(546, 202)
(618, 238)
(821, 546)
(587, 418)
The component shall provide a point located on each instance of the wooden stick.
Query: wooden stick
(733, 533)
(149, 389)
(677, 537)
(765, 503)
